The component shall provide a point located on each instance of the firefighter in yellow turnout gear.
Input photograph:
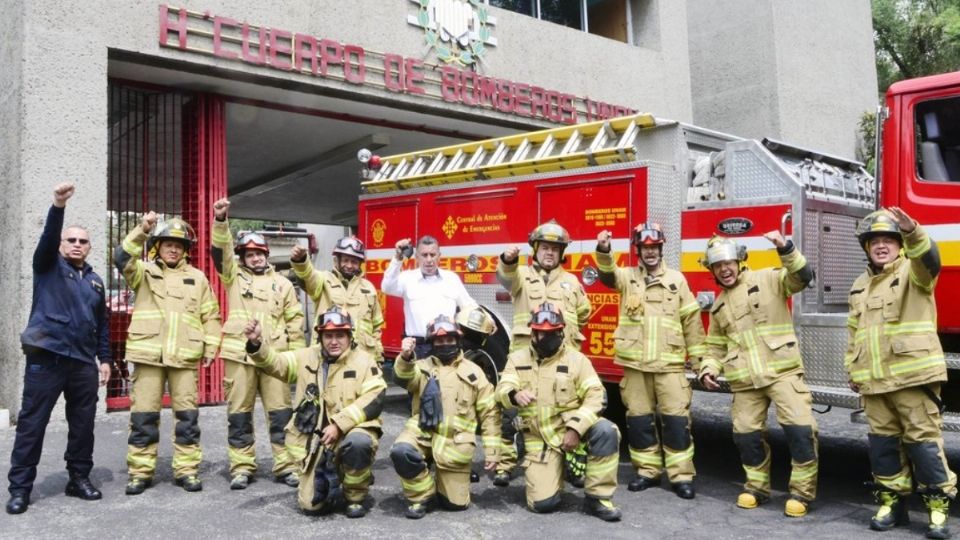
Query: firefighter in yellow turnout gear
(345, 287)
(451, 397)
(255, 291)
(175, 323)
(659, 325)
(340, 394)
(560, 399)
(752, 342)
(896, 362)
(543, 281)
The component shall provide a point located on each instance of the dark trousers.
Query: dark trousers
(47, 376)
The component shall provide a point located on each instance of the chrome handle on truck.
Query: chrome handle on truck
(787, 217)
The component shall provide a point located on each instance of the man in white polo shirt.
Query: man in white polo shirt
(427, 291)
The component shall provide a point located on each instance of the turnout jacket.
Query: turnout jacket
(751, 338)
(568, 395)
(893, 341)
(269, 297)
(354, 392)
(531, 286)
(659, 322)
(357, 296)
(176, 318)
(468, 401)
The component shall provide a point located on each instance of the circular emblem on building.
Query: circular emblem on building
(735, 226)
(457, 30)
(377, 231)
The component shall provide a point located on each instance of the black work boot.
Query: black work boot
(80, 486)
(938, 506)
(602, 508)
(892, 511)
(190, 483)
(684, 490)
(137, 486)
(18, 503)
(641, 483)
(501, 479)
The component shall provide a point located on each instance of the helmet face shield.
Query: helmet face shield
(723, 249)
(335, 319)
(546, 317)
(648, 234)
(251, 240)
(442, 326)
(352, 246)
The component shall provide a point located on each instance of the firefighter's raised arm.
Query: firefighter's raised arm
(797, 273)
(922, 251)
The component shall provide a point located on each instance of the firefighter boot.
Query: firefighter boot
(356, 510)
(749, 500)
(501, 479)
(240, 481)
(641, 483)
(190, 483)
(137, 486)
(938, 505)
(795, 507)
(602, 508)
(419, 509)
(892, 512)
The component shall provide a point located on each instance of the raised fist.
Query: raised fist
(298, 253)
(252, 330)
(63, 192)
(603, 240)
(775, 238)
(220, 209)
(149, 221)
(511, 253)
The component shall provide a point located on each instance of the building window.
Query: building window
(607, 18)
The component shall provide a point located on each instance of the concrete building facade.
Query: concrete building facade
(335, 76)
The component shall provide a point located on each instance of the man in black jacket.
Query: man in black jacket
(67, 333)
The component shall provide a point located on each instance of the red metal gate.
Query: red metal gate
(167, 154)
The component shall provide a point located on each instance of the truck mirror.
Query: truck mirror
(589, 276)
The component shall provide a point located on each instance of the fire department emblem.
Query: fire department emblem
(458, 30)
(450, 227)
(378, 229)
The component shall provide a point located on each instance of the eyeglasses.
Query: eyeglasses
(81, 241)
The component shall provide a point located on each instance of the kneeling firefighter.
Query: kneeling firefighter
(340, 394)
(451, 397)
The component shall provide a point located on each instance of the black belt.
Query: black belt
(933, 397)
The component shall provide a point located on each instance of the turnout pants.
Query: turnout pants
(544, 466)
(905, 428)
(508, 443)
(354, 456)
(46, 376)
(793, 401)
(242, 383)
(411, 455)
(645, 394)
(146, 398)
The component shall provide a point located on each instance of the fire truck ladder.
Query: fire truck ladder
(596, 143)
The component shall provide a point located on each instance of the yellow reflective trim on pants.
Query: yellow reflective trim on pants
(297, 453)
(147, 462)
(187, 458)
(604, 465)
(803, 473)
(242, 456)
(755, 475)
(418, 486)
(647, 457)
(672, 458)
(357, 479)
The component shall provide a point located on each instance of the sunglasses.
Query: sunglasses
(81, 241)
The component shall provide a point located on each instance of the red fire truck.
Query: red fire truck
(480, 197)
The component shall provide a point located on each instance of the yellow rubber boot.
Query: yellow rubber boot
(795, 508)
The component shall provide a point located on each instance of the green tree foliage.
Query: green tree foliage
(914, 38)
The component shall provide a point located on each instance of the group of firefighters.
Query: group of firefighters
(324, 440)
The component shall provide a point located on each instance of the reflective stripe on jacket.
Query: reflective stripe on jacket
(568, 394)
(357, 296)
(530, 286)
(269, 297)
(468, 402)
(751, 338)
(355, 389)
(893, 341)
(176, 318)
(659, 322)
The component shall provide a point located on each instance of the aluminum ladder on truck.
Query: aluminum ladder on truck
(568, 147)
